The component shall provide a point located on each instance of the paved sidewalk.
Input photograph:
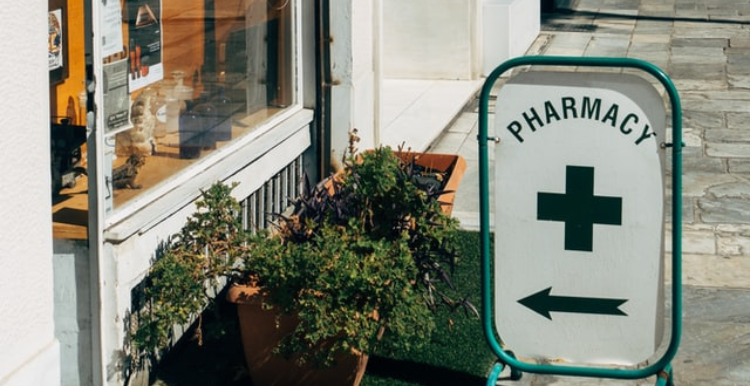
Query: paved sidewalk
(704, 46)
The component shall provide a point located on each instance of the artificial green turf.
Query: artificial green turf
(457, 355)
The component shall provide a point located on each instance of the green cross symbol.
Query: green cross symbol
(579, 208)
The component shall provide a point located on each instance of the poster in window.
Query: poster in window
(144, 42)
(111, 29)
(57, 42)
(116, 96)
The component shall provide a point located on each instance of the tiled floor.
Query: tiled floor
(416, 111)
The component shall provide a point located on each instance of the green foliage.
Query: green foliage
(457, 353)
(193, 263)
(385, 195)
(363, 261)
(214, 234)
(174, 295)
(369, 252)
(344, 287)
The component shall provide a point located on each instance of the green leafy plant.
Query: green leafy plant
(384, 195)
(345, 288)
(389, 196)
(362, 261)
(189, 268)
(366, 253)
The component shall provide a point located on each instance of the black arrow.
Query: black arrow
(543, 303)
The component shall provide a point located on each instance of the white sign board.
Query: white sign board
(579, 217)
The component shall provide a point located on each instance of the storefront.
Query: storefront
(166, 98)
(153, 100)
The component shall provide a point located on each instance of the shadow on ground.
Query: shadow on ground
(419, 373)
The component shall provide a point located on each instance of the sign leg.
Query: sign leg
(498, 367)
(665, 377)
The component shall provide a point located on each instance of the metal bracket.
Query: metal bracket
(490, 139)
(665, 145)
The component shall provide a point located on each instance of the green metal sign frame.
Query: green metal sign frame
(661, 367)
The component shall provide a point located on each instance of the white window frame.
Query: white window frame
(161, 201)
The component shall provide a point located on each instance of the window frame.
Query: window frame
(165, 198)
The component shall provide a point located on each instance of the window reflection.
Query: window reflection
(220, 69)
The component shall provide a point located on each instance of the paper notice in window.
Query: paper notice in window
(116, 96)
(111, 26)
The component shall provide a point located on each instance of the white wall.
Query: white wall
(363, 75)
(30, 353)
(455, 39)
(353, 90)
(430, 39)
(509, 27)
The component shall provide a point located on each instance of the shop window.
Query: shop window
(67, 119)
(190, 77)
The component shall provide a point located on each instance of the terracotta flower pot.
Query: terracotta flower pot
(452, 165)
(261, 332)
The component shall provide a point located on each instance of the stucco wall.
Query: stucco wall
(509, 27)
(30, 354)
(353, 90)
(430, 39)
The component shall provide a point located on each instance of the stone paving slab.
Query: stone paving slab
(715, 345)
(704, 46)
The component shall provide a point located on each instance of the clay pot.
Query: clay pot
(261, 332)
(452, 164)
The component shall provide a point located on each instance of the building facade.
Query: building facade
(150, 101)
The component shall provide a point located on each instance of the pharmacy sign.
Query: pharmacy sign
(579, 217)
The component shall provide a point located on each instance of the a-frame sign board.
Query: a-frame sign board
(575, 283)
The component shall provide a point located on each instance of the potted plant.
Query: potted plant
(359, 263)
